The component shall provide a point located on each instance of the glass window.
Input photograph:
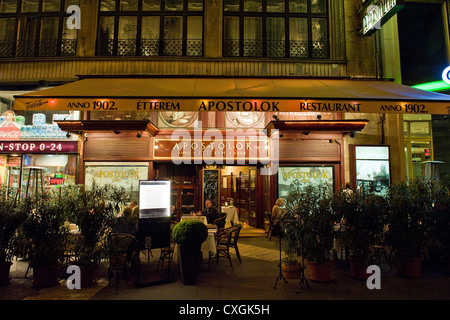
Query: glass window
(318, 6)
(30, 5)
(298, 37)
(173, 35)
(51, 5)
(252, 37)
(276, 28)
(194, 36)
(8, 6)
(36, 30)
(151, 5)
(275, 6)
(419, 151)
(231, 5)
(174, 5)
(253, 5)
(195, 5)
(275, 37)
(108, 5)
(150, 36)
(298, 6)
(172, 27)
(420, 129)
(7, 28)
(129, 5)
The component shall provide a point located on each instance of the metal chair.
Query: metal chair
(236, 229)
(223, 239)
(123, 253)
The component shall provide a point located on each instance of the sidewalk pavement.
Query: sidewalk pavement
(251, 280)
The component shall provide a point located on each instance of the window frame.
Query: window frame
(162, 14)
(286, 15)
(19, 47)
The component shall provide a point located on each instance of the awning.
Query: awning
(79, 126)
(235, 94)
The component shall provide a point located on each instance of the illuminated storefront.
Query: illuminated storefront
(38, 153)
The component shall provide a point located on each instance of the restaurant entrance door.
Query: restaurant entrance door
(238, 189)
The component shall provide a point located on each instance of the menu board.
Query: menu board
(372, 169)
(154, 199)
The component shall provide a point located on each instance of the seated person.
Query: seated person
(211, 213)
(277, 212)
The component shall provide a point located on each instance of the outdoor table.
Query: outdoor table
(188, 216)
(232, 215)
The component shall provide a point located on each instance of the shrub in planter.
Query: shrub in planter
(362, 224)
(439, 250)
(43, 228)
(309, 222)
(409, 224)
(189, 235)
(94, 211)
(11, 220)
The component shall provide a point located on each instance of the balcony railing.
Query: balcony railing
(150, 47)
(276, 49)
(41, 48)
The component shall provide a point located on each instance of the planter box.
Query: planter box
(320, 272)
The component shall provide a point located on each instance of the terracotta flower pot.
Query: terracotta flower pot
(45, 276)
(410, 267)
(4, 273)
(358, 268)
(291, 271)
(320, 272)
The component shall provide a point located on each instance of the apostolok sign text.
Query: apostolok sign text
(244, 105)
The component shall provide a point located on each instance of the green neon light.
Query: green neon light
(433, 86)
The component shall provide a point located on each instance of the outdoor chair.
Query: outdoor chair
(223, 239)
(273, 230)
(123, 254)
(220, 222)
(167, 252)
(236, 229)
(71, 247)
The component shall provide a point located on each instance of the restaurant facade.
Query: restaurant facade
(240, 102)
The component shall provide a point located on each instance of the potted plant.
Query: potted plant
(362, 223)
(43, 228)
(189, 235)
(290, 267)
(439, 250)
(408, 225)
(11, 220)
(311, 227)
(94, 211)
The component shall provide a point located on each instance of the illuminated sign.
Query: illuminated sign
(56, 181)
(424, 106)
(38, 147)
(379, 14)
(445, 75)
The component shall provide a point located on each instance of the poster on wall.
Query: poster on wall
(154, 199)
(126, 175)
(372, 169)
(291, 179)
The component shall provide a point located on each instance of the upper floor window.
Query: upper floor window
(150, 28)
(36, 28)
(276, 28)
